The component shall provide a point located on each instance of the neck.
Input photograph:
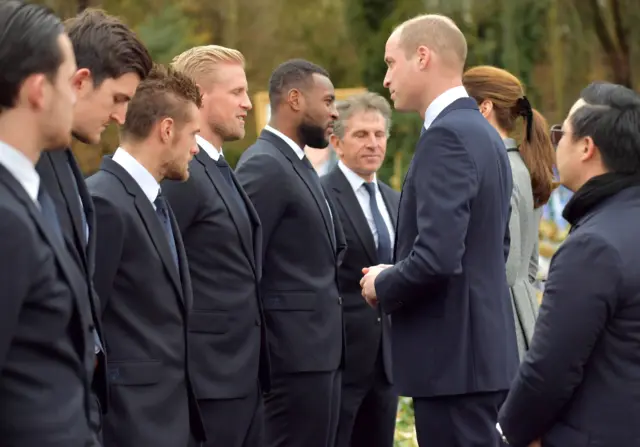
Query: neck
(12, 133)
(288, 128)
(147, 155)
(439, 86)
(212, 137)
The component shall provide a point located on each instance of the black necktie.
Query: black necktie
(316, 181)
(162, 210)
(48, 210)
(384, 240)
(83, 216)
(225, 170)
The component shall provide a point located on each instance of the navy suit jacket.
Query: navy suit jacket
(452, 323)
(578, 384)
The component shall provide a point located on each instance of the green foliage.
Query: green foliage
(167, 33)
(405, 424)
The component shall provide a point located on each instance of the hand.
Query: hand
(536, 443)
(368, 283)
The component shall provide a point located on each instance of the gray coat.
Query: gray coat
(522, 263)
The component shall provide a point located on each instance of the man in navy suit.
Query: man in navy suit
(453, 338)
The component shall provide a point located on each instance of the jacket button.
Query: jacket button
(340, 300)
(258, 322)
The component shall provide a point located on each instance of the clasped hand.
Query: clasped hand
(368, 283)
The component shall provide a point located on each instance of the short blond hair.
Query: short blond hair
(437, 32)
(200, 63)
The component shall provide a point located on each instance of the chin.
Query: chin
(86, 138)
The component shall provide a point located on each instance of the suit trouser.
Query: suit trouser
(368, 409)
(467, 420)
(233, 422)
(302, 409)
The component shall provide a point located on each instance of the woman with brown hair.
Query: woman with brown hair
(502, 102)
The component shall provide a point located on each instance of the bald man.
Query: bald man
(453, 338)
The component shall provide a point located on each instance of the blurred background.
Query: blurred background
(555, 46)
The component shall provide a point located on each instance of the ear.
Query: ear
(35, 91)
(424, 56)
(486, 108)
(82, 81)
(167, 130)
(589, 149)
(334, 141)
(295, 99)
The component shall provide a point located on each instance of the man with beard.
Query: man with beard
(302, 243)
(111, 62)
(142, 276)
(46, 342)
(222, 239)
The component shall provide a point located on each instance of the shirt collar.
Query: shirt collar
(22, 169)
(510, 143)
(294, 146)
(143, 178)
(209, 148)
(442, 102)
(354, 179)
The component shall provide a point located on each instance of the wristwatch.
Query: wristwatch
(502, 436)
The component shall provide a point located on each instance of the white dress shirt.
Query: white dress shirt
(357, 183)
(209, 148)
(299, 152)
(22, 169)
(442, 102)
(143, 178)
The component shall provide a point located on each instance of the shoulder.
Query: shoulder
(17, 223)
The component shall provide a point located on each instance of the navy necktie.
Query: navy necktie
(384, 240)
(48, 210)
(162, 210)
(225, 170)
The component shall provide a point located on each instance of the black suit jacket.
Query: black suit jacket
(453, 329)
(145, 303)
(578, 384)
(64, 185)
(299, 288)
(223, 243)
(46, 341)
(366, 328)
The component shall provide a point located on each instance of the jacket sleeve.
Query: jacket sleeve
(444, 189)
(580, 295)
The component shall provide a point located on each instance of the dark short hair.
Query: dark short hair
(295, 73)
(28, 45)
(165, 93)
(611, 117)
(106, 46)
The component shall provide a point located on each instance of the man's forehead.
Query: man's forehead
(323, 82)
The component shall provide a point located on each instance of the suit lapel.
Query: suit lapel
(349, 202)
(306, 175)
(243, 226)
(68, 267)
(392, 208)
(149, 218)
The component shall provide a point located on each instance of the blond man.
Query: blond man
(454, 347)
(223, 242)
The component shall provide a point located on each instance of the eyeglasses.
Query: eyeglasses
(556, 134)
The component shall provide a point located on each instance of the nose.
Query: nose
(387, 80)
(119, 114)
(334, 112)
(195, 149)
(246, 103)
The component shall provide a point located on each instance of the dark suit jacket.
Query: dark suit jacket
(224, 246)
(579, 382)
(64, 185)
(453, 329)
(145, 302)
(366, 328)
(46, 341)
(299, 287)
